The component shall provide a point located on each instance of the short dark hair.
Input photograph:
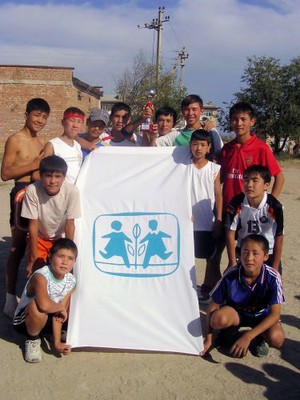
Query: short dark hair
(53, 164)
(166, 111)
(241, 107)
(201, 134)
(119, 107)
(75, 110)
(261, 170)
(191, 98)
(260, 239)
(37, 104)
(63, 243)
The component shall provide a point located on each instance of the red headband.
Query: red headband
(73, 115)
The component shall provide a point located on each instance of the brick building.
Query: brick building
(19, 83)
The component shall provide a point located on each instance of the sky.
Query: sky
(100, 39)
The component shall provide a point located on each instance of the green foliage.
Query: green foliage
(274, 92)
(132, 86)
(223, 117)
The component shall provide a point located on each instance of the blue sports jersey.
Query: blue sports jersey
(253, 301)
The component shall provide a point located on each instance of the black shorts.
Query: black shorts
(16, 197)
(251, 321)
(20, 325)
(19, 322)
(204, 244)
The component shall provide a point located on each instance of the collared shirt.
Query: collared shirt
(233, 290)
(266, 219)
(236, 158)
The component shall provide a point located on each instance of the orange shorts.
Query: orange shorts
(16, 198)
(43, 248)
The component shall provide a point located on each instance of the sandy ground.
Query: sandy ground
(116, 375)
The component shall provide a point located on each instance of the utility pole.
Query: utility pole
(157, 24)
(182, 57)
(180, 60)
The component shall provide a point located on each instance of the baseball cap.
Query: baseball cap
(97, 114)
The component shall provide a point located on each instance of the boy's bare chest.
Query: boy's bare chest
(29, 149)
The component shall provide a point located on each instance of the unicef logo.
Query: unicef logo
(136, 244)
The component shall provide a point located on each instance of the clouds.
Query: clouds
(100, 39)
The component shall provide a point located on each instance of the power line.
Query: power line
(157, 24)
(180, 60)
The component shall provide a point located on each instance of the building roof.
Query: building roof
(85, 88)
(77, 83)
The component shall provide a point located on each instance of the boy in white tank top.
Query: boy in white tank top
(206, 207)
(65, 146)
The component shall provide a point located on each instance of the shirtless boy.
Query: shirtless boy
(21, 159)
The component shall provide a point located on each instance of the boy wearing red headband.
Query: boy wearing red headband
(65, 146)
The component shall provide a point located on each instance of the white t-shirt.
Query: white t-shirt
(51, 211)
(137, 141)
(169, 139)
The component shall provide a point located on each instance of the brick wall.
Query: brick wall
(18, 84)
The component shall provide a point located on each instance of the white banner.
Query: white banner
(135, 270)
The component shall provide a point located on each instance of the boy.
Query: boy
(65, 146)
(237, 155)
(165, 119)
(51, 205)
(119, 117)
(47, 294)
(255, 211)
(250, 295)
(96, 125)
(206, 206)
(191, 109)
(127, 137)
(21, 159)
(245, 150)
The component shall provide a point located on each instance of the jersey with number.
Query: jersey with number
(266, 219)
(236, 158)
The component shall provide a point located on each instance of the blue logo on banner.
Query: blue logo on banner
(136, 244)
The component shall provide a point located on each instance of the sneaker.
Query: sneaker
(203, 293)
(259, 347)
(203, 298)
(33, 353)
(10, 305)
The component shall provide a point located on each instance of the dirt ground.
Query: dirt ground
(99, 374)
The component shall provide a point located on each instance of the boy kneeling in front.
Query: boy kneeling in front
(249, 294)
(47, 295)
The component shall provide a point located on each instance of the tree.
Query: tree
(274, 92)
(132, 86)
